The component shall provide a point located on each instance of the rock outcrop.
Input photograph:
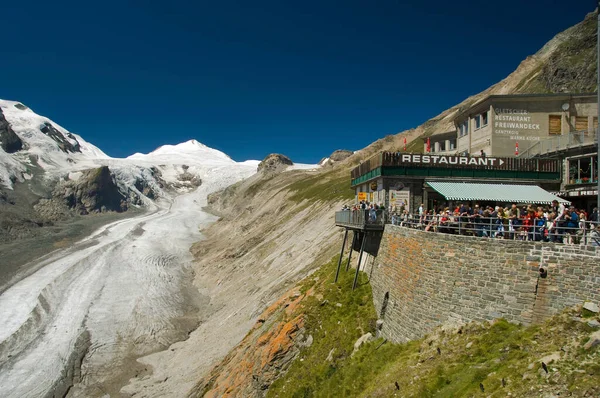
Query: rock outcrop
(9, 140)
(340, 155)
(264, 354)
(571, 68)
(3, 198)
(336, 156)
(63, 142)
(274, 162)
(94, 191)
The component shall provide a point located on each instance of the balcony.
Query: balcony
(360, 220)
(560, 143)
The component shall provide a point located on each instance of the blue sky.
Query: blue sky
(252, 78)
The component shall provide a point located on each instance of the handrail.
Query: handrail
(362, 219)
(529, 150)
(542, 230)
(570, 140)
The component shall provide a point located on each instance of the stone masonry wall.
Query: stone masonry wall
(423, 279)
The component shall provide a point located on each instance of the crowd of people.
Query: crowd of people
(373, 211)
(554, 223)
(550, 223)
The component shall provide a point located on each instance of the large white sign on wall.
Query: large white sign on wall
(516, 124)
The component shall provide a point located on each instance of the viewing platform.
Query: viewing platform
(359, 220)
(561, 144)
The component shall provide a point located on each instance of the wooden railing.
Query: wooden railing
(370, 164)
(401, 159)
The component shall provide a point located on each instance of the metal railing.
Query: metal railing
(560, 143)
(361, 219)
(540, 230)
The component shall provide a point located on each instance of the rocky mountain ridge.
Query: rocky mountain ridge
(65, 176)
(274, 162)
(9, 141)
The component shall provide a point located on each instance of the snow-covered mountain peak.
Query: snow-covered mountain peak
(30, 140)
(186, 151)
(35, 147)
(187, 146)
(44, 138)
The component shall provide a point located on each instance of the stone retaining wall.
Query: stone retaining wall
(423, 279)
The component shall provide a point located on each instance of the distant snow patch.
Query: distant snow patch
(303, 166)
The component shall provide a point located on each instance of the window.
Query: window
(481, 120)
(581, 170)
(581, 123)
(555, 124)
(452, 144)
(463, 129)
(595, 124)
(442, 146)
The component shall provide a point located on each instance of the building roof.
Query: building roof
(438, 136)
(494, 192)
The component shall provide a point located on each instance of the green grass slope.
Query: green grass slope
(497, 359)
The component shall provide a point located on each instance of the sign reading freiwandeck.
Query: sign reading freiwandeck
(452, 160)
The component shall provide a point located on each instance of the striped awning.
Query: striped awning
(495, 192)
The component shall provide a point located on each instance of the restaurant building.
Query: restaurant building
(407, 180)
(554, 126)
(499, 124)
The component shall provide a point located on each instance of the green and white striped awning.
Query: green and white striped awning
(495, 192)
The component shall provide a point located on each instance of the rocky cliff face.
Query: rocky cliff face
(263, 355)
(340, 154)
(62, 142)
(274, 162)
(570, 63)
(336, 156)
(94, 191)
(9, 141)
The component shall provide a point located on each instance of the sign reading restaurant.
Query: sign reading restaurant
(452, 160)
(428, 165)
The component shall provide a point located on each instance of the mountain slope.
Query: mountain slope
(45, 144)
(79, 317)
(251, 367)
(566, 64)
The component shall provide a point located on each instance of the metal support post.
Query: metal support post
(337, 273)
(362, 249)
(351, 250)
